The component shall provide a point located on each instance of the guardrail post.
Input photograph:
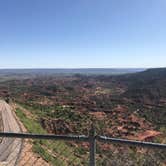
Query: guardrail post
(92, 141)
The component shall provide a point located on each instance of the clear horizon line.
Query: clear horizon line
(78, 68)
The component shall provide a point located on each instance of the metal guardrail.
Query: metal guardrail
(45, 136)
(130, 142)
(91, 139)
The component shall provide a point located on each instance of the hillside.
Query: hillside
(127, 106)
(148, 87)
(147, 90)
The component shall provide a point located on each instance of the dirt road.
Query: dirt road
(9, 147)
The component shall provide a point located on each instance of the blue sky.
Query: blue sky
(82, 33)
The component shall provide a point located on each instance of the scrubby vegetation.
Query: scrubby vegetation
(49, 150)
(129, 106)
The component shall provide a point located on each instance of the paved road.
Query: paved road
(9, 147)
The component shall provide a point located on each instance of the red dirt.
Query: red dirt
(147, 135)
